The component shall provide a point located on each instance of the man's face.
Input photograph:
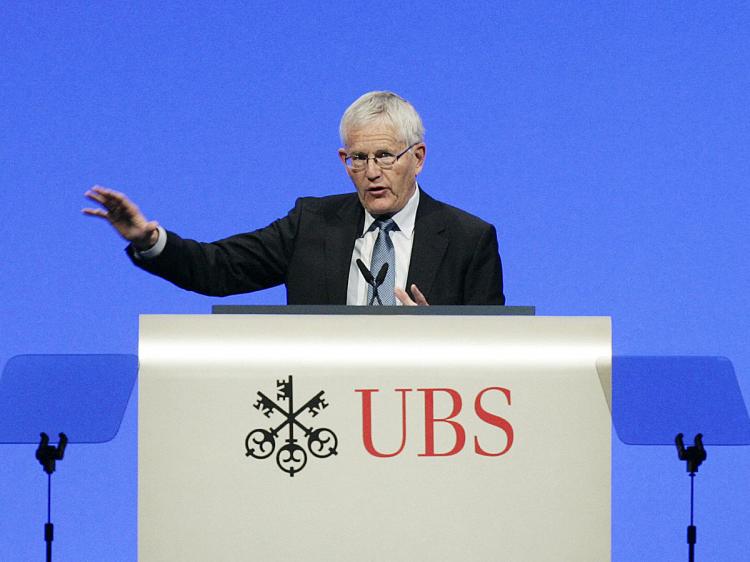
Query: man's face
(383, 191)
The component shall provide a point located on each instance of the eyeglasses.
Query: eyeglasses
(357, 161)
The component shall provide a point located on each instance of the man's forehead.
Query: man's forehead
(373, 136)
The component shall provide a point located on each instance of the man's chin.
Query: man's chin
(381, 205)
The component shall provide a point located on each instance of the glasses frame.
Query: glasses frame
(348, 160)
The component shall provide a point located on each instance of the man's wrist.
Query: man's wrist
(148, 242)
(154, 249)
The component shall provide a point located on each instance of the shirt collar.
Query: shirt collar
(404, 219)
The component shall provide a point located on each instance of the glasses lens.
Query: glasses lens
(385, 161)
(356, 162)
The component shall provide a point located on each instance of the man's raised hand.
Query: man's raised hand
(124, 216)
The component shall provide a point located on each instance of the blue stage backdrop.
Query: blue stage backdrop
(607, 141)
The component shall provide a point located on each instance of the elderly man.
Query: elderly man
(436, 254)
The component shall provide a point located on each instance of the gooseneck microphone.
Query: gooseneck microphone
(381, 275)
(374, 282)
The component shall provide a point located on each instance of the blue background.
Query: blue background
(608, 142)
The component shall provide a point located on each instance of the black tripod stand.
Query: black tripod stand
(48, 455)
(693, 456)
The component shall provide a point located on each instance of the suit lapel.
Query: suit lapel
(430, 244)
(342, 229)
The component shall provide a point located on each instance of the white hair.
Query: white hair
(383, 106)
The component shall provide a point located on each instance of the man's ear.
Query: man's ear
(342, 157)
(420, 153)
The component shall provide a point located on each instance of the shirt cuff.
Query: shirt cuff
(154, 250)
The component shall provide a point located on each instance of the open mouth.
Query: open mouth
(377, 191)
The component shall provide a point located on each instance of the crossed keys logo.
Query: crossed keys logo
(291, 457)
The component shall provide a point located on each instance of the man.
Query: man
(442, 254)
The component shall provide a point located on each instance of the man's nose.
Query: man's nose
(372, 169)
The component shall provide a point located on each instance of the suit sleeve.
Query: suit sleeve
(483, 284)
(239, 264)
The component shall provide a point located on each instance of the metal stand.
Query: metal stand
(48, 455)
(694, 457)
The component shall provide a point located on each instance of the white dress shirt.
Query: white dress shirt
(402, 239)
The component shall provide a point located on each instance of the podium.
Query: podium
(344, 437)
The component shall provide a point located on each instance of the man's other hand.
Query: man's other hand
(406, 300)
(124, 216)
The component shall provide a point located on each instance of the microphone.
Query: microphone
(374, 282)
(365, 272)
(381, 274)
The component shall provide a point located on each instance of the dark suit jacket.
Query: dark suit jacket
(454, 257)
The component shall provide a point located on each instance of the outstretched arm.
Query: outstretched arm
(124, 216)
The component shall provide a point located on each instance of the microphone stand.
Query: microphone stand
(374, 282)
(47, 455)
(693, 456)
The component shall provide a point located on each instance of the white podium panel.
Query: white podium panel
(388, 438)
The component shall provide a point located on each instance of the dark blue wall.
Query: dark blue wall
(607, 142)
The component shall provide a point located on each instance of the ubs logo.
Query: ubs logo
(501, 442)
(291, 457)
